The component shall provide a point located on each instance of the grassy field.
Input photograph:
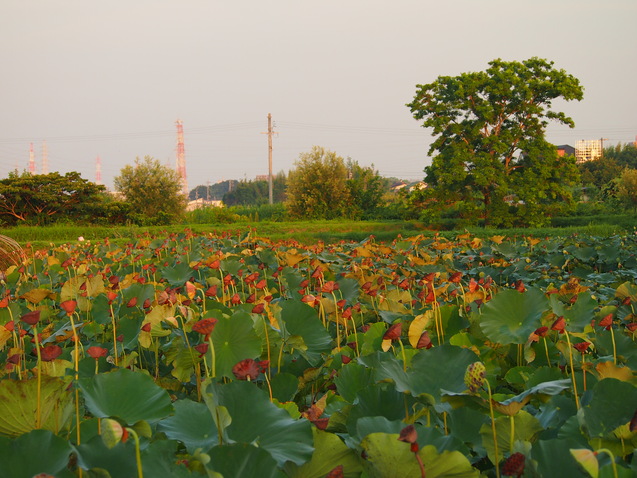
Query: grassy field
(305, 232)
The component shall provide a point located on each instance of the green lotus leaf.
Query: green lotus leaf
(18, 404)
(421, 378)
(178, 274)
(299, 319)
(386, 457)
(158, 459)
(284, 386)
(525, 429)
(329, 452)
(511, 316)
(255, 420)
(38, 451)
(234, 339)
(125, 394)
(351, 379)
(612, 405)
(242, 460)
(554, 459)
(578, 315)
(192, 424)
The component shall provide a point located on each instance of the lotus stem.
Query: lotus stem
(570, 356)
(214, 358)
(493, 431)
(138, 455)
(546, 349)
(76, 365)
(402, 350)
(267, 341)
(114, 336)
(612, 459)
(612, 336)
(38, 410)
(512, 439)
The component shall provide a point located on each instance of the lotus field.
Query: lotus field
(200, 355)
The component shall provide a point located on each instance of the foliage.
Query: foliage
(203, 354)
(153, 191)
(600, 171)
(317, 186)
(212, 192)
(45, 198)
(366, 189)
(627, 188)
(492, 161)
(624, 154)
(255, 193)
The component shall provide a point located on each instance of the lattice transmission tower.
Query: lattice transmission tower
(181, 158)
(98, 170)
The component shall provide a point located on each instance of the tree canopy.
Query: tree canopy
(45, 198)
(490, 158)
(153, 190)
(317, 186)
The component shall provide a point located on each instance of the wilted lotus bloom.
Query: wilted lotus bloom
(474, 377)
(50, 352)
(514, 465)
(247, 369)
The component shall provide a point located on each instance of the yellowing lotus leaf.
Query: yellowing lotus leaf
(418, 326)
(610, 370)
(36, 296)
(4, 336)
(292, 257)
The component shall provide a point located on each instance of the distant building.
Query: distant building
(588, 150)
(565, 150)
(262, 177)
(201, 203)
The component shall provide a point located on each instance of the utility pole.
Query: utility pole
(270, 133)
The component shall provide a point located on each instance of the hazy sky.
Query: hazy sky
(110, 78)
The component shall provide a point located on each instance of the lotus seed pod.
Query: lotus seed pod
(474, 376)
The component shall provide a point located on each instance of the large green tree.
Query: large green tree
(490, 158)
(317, 186)
(366, 189)
(153, 190)
(45, 198)
(627, 188)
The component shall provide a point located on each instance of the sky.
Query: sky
(111, 78)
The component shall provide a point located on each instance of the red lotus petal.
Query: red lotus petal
(607, 321)
(31, 318)
(211, 291)
(541, 332)
(4, 303)
(336, 472)
(96, 352)
(201, 348)
(581, 347)
(455, 277)
(345, 359)
(246, 369)
(559, 324)
(261, 284)
(146, 327)
(408, 434)
(50, 352)
(424, 342)
(204, 326)
(236, 299)
(393, 332)
(132, 302)
(111, 296)
(258, 309)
